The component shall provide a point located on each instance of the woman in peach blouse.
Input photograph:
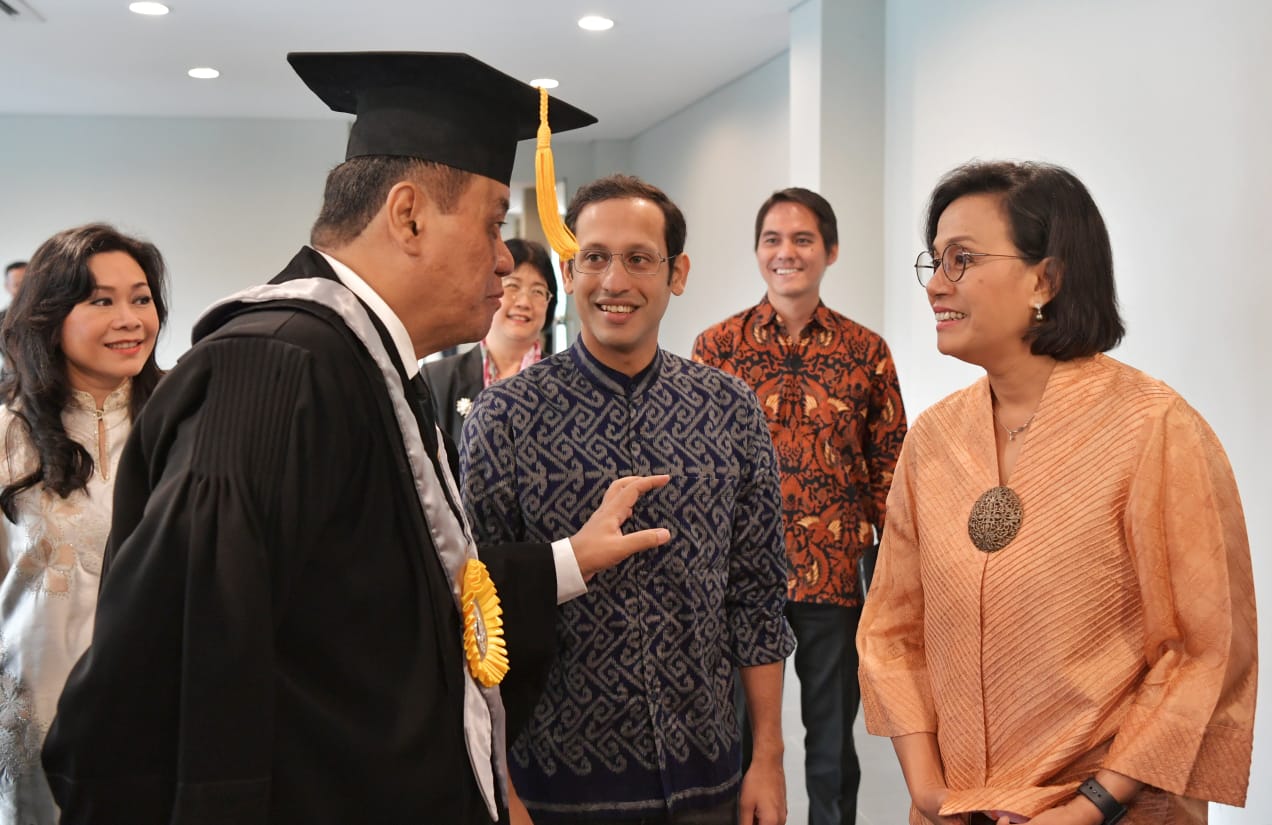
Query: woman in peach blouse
(1061, 627)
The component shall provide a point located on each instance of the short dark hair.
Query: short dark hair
(356, 190)
(529, 252)
(11, 267)
(1051, 216)
(617, 187)
(815, 203)
(35, 383)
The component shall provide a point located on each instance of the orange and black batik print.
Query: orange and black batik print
(834, 409)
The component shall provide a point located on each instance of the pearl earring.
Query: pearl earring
(1037, 312)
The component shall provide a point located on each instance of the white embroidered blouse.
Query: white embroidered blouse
(49, 594)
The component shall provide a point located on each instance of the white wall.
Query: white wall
(837, 139)
(227, 201)
(718, 160)
(1163, 108)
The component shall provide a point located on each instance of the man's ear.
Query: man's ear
(567, 277)
(832, 254)
(679, 274)
(404, 209)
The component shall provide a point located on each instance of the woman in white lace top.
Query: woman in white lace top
(78, 344)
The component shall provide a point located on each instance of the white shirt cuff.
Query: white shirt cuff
(568, 576)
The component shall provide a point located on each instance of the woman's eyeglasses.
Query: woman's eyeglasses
(954, 261)
(536, 293)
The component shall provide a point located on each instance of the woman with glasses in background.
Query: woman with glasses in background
(79, 347)
(1061, 627)
(515, 340)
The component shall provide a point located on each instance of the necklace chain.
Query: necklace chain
(1011, 434)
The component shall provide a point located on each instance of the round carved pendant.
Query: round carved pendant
(995, 519)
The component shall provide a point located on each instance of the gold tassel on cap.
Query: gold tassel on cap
(554, 229)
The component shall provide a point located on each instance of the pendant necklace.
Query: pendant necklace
(997, 515)
(995, 519)
(1011, 434)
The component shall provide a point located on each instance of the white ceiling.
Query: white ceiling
(96, 57)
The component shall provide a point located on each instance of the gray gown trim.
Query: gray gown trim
(484, 730)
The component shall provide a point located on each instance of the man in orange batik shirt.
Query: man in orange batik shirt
(829, 390)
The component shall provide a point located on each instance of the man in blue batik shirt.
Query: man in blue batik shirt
(637, 721)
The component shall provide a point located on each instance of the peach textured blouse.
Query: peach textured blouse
(1117, 630)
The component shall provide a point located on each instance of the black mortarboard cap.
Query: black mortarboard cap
(444, 107)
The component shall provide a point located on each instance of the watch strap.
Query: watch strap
(1100, 797)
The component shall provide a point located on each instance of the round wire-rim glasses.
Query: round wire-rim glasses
(534, 292)
(637, 262)
(954, 261)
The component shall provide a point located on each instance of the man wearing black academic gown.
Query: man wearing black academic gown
(279, 637)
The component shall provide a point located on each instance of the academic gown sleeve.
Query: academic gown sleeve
(525, 579)
(167, 718)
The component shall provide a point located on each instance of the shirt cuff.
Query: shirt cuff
(568, 576)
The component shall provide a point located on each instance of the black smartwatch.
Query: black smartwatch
(1107, 803)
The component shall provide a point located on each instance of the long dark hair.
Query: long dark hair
(35, 383)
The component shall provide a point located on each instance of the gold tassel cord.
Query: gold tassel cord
(554, 229)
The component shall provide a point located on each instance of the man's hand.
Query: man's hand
(601, 543)
(763, 797)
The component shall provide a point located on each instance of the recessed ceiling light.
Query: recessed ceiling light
(595, 23)
(203, 73)
(545, 82)
(147, 8)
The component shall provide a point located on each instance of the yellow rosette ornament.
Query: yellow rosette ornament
(483, 625)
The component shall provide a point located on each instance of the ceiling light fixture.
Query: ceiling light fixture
(544, 82)
(148, 8)
(204, 73)
(595, 23)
